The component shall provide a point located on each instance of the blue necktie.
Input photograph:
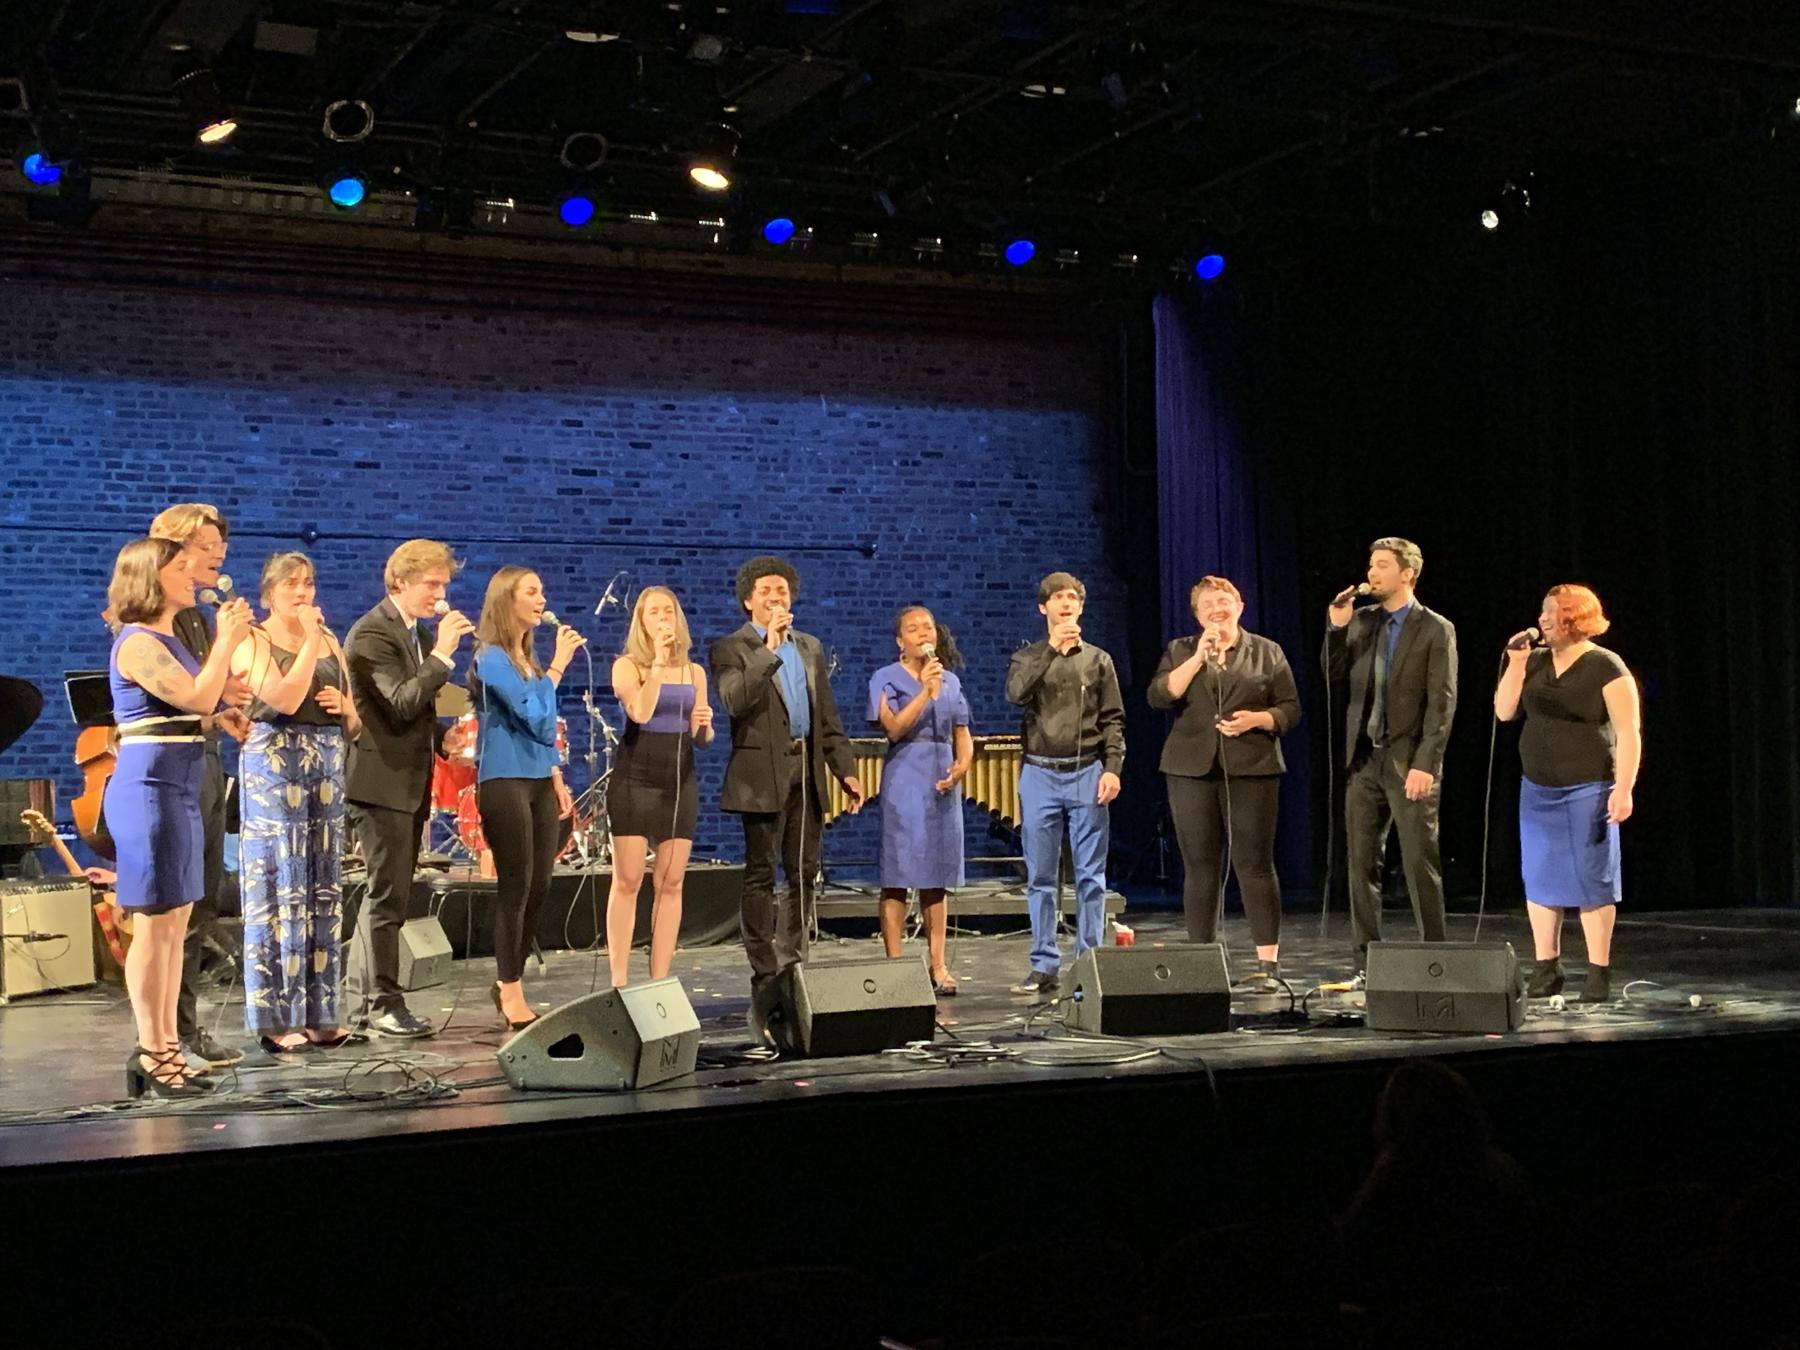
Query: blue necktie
(1377, 723)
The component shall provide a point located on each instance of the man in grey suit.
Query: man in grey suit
(1399, 660)
(785, 737)
(397, 667)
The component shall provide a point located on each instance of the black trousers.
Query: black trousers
(1198, 807)
(205, 913)
(775, 931)
(390, 848)
(1375, 802)
(518, 816)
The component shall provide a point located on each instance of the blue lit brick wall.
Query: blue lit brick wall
(577, 447)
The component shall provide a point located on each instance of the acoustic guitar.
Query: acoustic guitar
(115, 922)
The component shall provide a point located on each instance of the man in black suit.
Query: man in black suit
(396, 669)
(205, 537)
(1400, 661)
(785, 737)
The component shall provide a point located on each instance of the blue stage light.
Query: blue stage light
(778, 230)
(1210, 267)
(39, 170)
(347, 191)
(1020, 252)
(576, 210)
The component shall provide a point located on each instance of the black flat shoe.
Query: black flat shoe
(343, 1037)
(275, 1047)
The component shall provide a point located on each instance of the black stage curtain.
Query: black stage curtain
(1606, 397)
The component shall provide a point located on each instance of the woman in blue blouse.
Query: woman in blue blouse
(519, 787)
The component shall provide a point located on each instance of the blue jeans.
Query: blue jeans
(1051, 802)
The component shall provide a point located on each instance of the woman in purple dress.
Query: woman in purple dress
(161, 698)
(651, 798)
(919, 705)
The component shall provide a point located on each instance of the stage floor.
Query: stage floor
(61, 1055)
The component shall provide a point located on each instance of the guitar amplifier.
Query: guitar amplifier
(46, 937)
(24, 794)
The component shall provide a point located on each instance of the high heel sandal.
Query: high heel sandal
(943, 984)
(164, 1077)
(501, 1009)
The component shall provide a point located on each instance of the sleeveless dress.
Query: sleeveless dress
(153, 800)
(921, 828)
(652, 792)
(291, 860)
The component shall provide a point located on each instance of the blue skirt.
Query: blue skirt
(153, 814)
(1568, 850)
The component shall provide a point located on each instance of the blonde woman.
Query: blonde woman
(651, 798)
(291, 775)
(160, 693)
(518, 784)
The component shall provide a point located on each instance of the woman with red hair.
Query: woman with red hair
(1579, 748)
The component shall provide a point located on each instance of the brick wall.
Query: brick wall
(942, 468)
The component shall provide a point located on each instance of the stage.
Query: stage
(1008, 1131)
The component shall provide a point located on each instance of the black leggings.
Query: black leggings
(1197, 806)
(518, 815)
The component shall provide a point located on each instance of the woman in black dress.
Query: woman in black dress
(651, 798)
(1580, 749)
(1233, 697)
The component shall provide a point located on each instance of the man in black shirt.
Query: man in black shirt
(1398, 659)
(1074, 739)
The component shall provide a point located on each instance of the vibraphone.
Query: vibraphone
(992, 781)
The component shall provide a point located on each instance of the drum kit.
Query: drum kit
(455, 825)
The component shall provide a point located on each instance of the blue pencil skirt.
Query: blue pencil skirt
(1569, 852)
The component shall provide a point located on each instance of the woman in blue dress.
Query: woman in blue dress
(518, 781)
(161, 698)
(918, 703)
(652, 800)
(291, 774)
(1580, 749)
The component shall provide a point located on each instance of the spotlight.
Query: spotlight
(1511, 207)
(1210, 266)
(1490, 220)
(1019, 252)
(348, 121)
(346, 188)
(576, 209)
(39, 171)
(710, 168)
(778, 230)
(201, 100)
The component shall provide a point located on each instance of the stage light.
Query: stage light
(709, 175)
(1019, 252)
(1490, 220)
(576, 209)
(201, 100)
(40, 171)
(348, 121)
(778, 230)
(347, 190)
(1210, 266)
(710, 167)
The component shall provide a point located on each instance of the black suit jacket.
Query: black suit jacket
(1256, 678)
(757, 777)
(396, 696)
(1421, 684)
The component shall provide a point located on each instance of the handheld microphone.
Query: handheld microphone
(441, 608)
(1519, 642)
(219, 592)
(549, 617)
(928, 650)
(1351, 592)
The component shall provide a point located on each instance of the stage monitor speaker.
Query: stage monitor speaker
(424, 955)
(46, 936)
(862, 1007)
(1179, 989)
(1469, 987)
(633, 1037)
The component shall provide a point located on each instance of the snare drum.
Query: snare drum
(468, 821)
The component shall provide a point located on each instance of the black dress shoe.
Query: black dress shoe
(400, 1023)
(205, 1052)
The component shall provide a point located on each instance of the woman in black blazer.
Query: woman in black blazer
(1233, 697)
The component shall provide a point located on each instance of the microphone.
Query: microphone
(549, 617)
(1351, 592)
(928, 650)
(32, 935)
(1519, 642)
(441, 608)
(609, 598)
(219, 592)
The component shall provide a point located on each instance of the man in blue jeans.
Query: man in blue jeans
(1074, 740)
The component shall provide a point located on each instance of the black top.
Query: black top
(1568, 737)
(309, 713)
(1256, 678)
(194, 630)
(1073, 709)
